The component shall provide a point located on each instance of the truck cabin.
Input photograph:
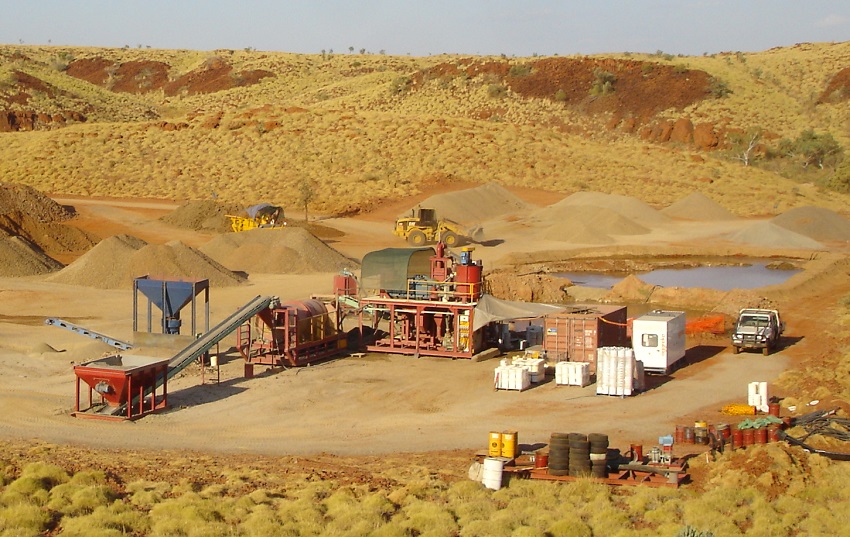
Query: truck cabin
(754, 321)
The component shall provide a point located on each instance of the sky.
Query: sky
(427, 27)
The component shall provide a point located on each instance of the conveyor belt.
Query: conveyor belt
(117, 343)
(216, 334)
(204, 343)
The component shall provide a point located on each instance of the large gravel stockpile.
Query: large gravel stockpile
(815, 222)
(52, 237)
(289, 250)
(770, 235)
(697, 206)
(27, 200)
(116, 261)
(598, 220)
(203, 215)
(19, 257)
(475, 205)
(625, 206)
(577, 233)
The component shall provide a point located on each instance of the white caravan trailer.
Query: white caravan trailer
(658, 339)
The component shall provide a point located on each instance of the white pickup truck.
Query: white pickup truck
(757, 329)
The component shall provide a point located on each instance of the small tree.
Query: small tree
(306, 193)
(745, 144)
(812, 148)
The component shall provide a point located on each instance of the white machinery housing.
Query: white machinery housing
(658, 339)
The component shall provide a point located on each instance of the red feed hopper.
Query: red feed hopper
(126, 386)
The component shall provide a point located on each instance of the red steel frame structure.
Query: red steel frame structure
(122, 387)
(435, 317)
(291, 334)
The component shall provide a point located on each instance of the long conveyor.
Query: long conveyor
(204, 343)
(216, 334)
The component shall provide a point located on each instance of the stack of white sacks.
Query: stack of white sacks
(757, 395)
(572, 374)
(511, 377)
(536, 367)
(617, 371)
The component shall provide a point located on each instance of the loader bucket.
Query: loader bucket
(476, 234)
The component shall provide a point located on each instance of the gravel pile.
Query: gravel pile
(770, 235)
(698, 206)
(116, 261)
(19, 257)
(816, 223)
(625, 206)
(562, 220)
(475, 205)
(289, 250)
(203, 215)
(29, 201)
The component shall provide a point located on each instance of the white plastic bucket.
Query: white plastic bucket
(492, 475)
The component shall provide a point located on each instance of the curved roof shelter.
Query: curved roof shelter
(390, 269)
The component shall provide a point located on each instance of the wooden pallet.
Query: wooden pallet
(654, 476)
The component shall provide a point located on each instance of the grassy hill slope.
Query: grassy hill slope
(252, 126)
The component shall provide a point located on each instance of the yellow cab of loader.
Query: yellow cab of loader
(423, 227)
(263, 215)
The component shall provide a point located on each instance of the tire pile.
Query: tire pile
(578, 455)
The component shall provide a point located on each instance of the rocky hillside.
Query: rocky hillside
(359, 129)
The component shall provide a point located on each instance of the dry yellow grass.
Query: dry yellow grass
(336, 120)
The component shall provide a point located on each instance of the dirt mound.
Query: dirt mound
(626, 206)
(815, 222)
(697, 206)
(115, 261)
(577, 233)
(203, 215)
(569, 222)
(276, 251)
(31, 202)
(633, 289)
(20, 257)
(52, 237)
(771, 235)
(475, 205)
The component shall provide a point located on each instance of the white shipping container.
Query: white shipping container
(658, 339)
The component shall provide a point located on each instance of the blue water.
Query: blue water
(722, 278)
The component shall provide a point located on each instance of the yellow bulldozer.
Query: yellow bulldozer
(423, 227)
(263, 215)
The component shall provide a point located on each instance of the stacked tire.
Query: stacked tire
(579, 457)
(559, 454)
(598, 454)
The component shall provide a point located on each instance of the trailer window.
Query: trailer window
(649, 340)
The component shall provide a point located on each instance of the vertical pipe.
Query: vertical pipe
(135, 305)
(194, 290)
(77, 393)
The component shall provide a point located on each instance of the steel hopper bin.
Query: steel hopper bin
(122, 387)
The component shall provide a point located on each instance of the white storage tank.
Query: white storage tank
(658, 339)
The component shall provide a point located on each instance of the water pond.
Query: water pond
(723, 278)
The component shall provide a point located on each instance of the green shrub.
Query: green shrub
(496, 91)
(115, 520)
(560, 95)
(718, 88)
(520, 70)
(23, 519)
(603, 82)
(400, 85)
(72, 499)
(146, 494)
